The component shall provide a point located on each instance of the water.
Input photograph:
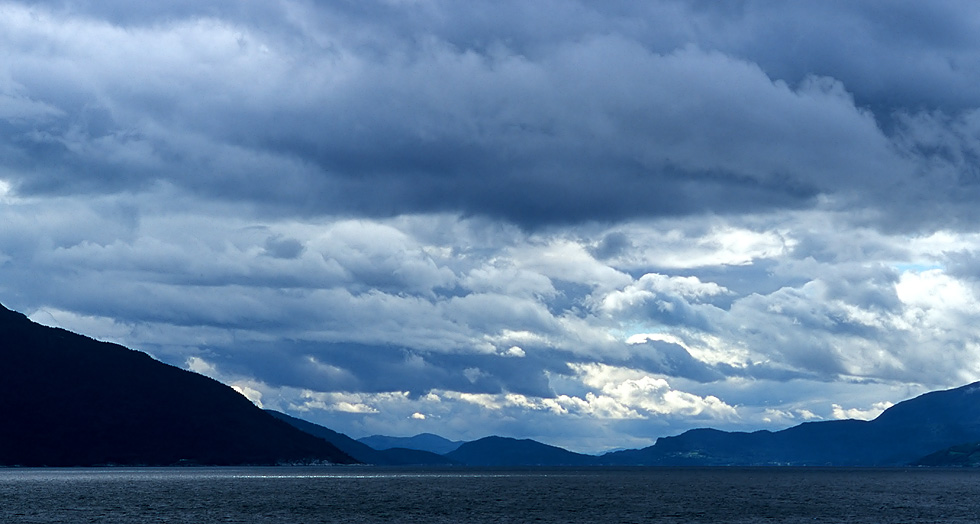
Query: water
(469, 495)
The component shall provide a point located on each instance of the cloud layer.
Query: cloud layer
(593, 224)
(316, 110)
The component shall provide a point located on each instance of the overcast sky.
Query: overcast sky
(587, 223)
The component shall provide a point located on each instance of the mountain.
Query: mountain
(69, 400)
(362, 452)
(503, 451)
(963, 455)
(422, 441)
(902, 434)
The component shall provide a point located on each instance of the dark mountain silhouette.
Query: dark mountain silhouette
(902, 434)
(69, 400)
(503, 451)
(963, 455)
(422, 441)
(363, 452)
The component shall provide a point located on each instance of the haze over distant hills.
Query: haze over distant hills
(69, 400)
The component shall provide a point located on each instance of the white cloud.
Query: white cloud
(253, 395)
(935, 292)
(653, 395)
(359, 403)
(504, 276)
(560, 259)
(108, 329)
(788, 417)
(514, 351)
(199, 365)
(650, 286)
(600, 407)
(381, 256)
(721, 245)
(860, 414)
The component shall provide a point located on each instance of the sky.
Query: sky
(592, 224)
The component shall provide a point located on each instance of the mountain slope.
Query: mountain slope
(69, 400)
(963, 455)
(422, 441)
(900, 435)
(360, 451)
(503, 451)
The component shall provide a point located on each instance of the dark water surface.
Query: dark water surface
(468, 495)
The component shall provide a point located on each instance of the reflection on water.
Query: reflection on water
(368, 494)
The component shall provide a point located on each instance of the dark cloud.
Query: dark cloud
(586, 125)
(612, 245)
(280, 247)
(673, 360)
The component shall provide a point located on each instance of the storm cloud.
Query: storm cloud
(346, 116)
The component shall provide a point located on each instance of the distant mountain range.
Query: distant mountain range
(423, 441)
(902, 434)
(910, 432)
(69, 400)
(362, 452)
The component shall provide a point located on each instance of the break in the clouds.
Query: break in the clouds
(592, 223)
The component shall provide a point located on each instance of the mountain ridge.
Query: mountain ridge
(70, 400)
(505, 451)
